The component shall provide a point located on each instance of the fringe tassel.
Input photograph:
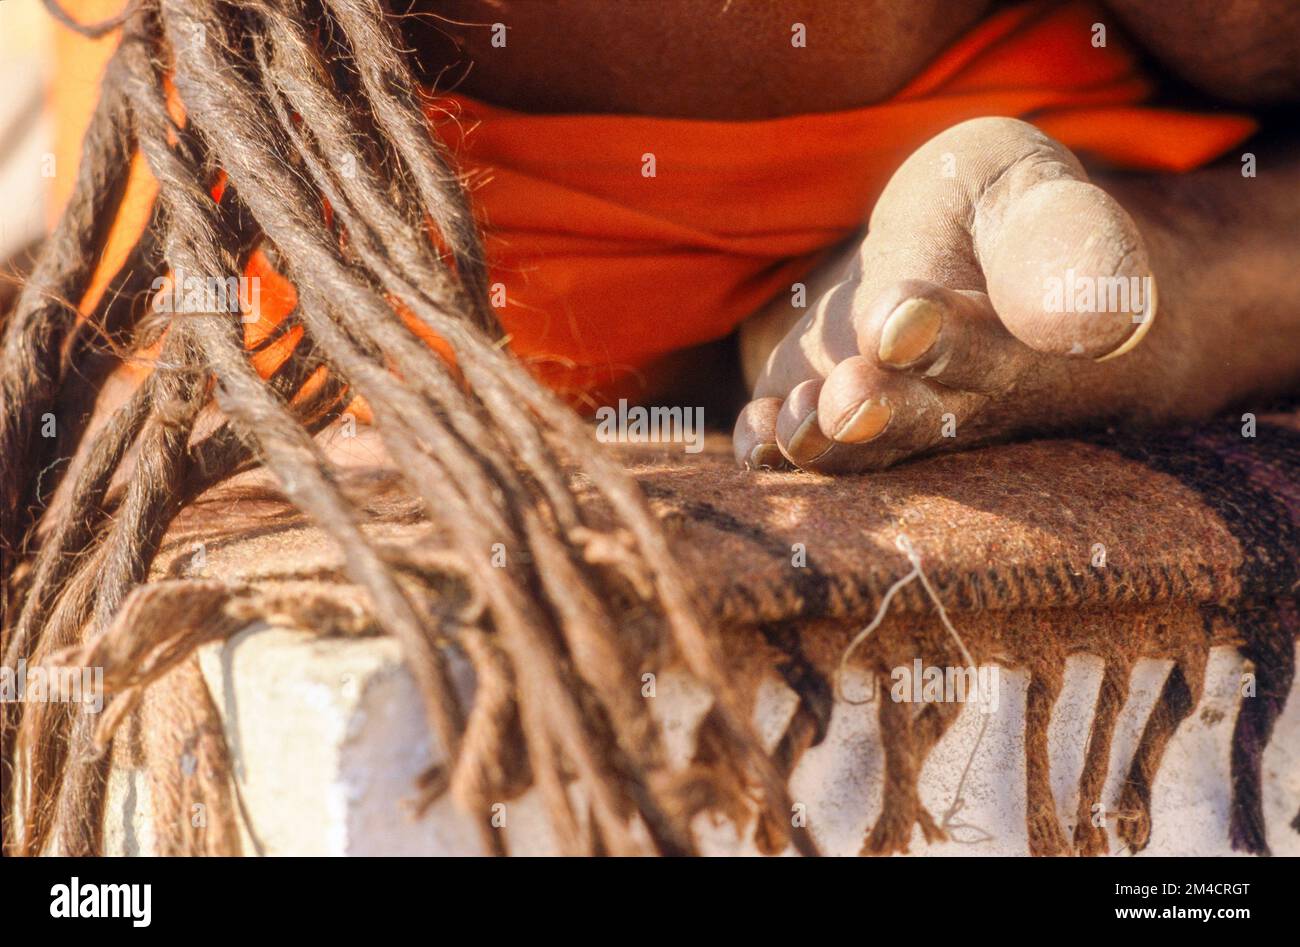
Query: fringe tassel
(807, 726)
(1270, 647)
(1090, 836)
(906, 743)
(1178, 698)
(803, 732)
(1045, 834)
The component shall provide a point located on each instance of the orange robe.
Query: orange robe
(605, 269)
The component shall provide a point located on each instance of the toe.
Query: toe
(949, 336)
(754, 438)
(1068, 271)
(798, 432)
(854, 406)
(872, 413)
(874, 418)
(909, 332)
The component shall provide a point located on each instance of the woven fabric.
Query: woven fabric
(1155, 545)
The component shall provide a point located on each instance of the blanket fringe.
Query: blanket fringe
(156, 684)
(1045, 834)
(1270, 647)
(1089, 827)
(1179, 696)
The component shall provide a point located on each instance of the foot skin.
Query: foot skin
(981, 304)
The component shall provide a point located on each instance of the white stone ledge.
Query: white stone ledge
(327, 739)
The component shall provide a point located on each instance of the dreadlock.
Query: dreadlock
(309, 114)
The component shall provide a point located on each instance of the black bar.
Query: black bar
(950, 897)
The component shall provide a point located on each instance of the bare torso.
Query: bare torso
(719, 59)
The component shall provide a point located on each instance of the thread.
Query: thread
(917, 574)
(904, 545)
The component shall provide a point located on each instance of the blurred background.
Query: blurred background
(48, 81)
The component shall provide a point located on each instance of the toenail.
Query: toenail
(765, 457)
(808, 442)
(909, 331)
(1148, 317)
(866, 422)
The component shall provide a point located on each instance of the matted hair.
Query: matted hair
(279, 96)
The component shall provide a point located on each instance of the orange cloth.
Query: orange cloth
(609, 270)
(606, 270)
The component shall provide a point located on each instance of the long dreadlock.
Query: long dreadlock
(280, 97)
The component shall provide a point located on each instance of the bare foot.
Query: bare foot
(993, 288)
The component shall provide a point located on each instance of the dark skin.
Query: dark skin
(897, 337)
(686, 58)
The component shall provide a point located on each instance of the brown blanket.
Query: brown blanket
(1121, 546)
